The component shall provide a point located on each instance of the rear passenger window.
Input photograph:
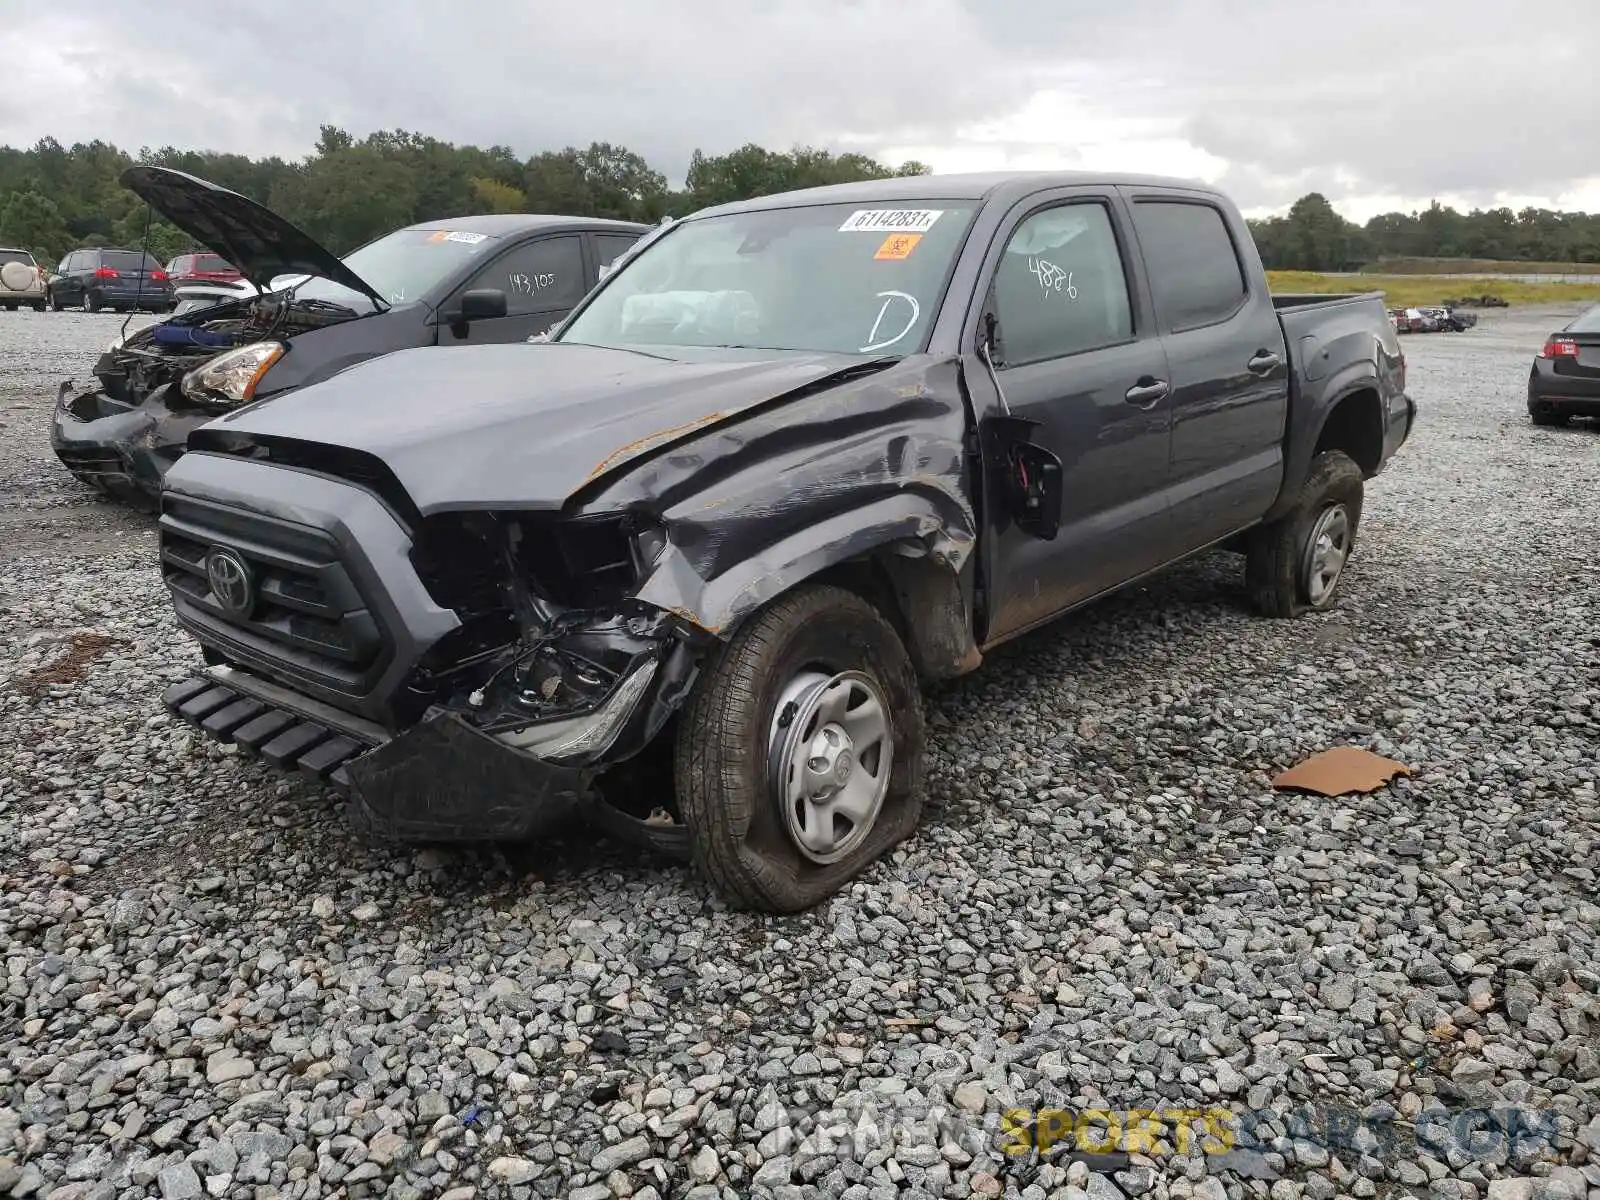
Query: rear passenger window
(1059, 288)
(1194, 268)
(611, 247)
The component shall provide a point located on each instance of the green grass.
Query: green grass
(1476, 266)
(1405, 291)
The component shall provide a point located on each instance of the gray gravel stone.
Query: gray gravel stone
(179, 1182)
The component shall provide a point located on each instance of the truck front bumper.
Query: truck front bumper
(440, 780)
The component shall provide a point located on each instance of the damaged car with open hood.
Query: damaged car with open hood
(307, 314)
(682, 567)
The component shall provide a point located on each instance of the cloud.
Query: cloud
(1270, 98)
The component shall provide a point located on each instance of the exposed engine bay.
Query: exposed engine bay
(163, 353)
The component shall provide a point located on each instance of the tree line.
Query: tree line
(1314, 237)
(348, 190)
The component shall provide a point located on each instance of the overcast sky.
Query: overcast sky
(1379, 104)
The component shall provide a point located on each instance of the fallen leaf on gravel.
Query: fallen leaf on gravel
(1340, 771)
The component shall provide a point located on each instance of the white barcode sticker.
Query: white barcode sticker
(891, 220)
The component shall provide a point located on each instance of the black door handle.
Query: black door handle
(1146, 394)
(1264, 361)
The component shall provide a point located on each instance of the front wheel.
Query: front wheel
(1297, 562)
(799, 758)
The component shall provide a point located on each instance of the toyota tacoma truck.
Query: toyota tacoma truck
(791, 459)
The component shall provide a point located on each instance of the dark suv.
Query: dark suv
(119, 279)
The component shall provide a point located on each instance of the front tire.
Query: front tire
(799, 757)
(1296, 563)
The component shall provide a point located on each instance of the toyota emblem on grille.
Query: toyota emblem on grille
(231, 582)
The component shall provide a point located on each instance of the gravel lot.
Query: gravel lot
(209, 986)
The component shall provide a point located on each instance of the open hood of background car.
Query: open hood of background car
(250, 236)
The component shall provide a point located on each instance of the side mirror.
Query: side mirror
(482, 304)
(1029, 476)
(479, 304)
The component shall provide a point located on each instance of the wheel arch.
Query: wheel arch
(896, 552)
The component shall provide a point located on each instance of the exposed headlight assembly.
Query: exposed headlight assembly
(231, 378)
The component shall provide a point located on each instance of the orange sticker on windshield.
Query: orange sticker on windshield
(438, 235)
(898, 245)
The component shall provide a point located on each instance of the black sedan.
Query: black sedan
(1565, 379)
(456, 281)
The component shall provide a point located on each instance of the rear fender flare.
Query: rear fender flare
(1357, 377)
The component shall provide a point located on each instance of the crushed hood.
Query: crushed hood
(249, 235)
(522, 425)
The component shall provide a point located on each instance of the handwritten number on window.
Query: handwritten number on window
(1052, 279)
(527, 285)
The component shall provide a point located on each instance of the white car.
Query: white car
(21, 281)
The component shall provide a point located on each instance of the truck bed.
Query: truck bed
(1298, 301)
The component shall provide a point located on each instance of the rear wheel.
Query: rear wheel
(1297, 562)
(55, 303)
(11, 308)
(91, 302)
(1547, 417)
(799, 758)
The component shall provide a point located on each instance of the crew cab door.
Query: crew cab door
(1077, 355)
(1225, 349)
(542, 279)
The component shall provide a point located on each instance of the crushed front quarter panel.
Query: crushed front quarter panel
(873, 466)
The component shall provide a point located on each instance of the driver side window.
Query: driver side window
(537, 276)
(1060, 287)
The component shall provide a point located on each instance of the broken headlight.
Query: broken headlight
(577, 739)
(231, 378)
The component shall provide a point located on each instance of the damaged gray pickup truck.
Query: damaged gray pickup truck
(793, 457)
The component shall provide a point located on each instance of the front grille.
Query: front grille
(309, 621)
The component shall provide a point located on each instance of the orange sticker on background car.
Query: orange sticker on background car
(898, 245)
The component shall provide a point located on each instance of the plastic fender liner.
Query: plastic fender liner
(443, 780)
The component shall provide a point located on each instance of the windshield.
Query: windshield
(1586, 322)
(839, 278)
(402, 266)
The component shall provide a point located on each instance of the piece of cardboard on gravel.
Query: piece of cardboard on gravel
(1340, 771)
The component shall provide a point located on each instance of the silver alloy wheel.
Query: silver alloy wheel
(830, 757)
(1327, 551)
